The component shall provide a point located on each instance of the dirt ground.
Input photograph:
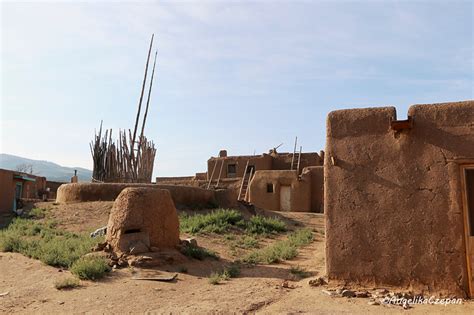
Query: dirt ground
(29, 284)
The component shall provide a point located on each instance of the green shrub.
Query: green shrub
(90, 268)
(301, 237)
(66, 283)
(231, 271)
(247, 241)
(42, 241)
(281, 250)
(198, 252)
(37, 213)
(218, 221)
(214, 278)
(263, 225)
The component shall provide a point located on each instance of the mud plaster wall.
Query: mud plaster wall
(182, 195)
(282, 161)
(300, 196)
(392, 201)
(261, 162)
(317, 187)
(7, 188)
(7, 191)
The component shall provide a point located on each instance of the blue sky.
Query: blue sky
(240, 75)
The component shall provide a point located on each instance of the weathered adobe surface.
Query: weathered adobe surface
(392, 200)
(182, 195)
(141, 219)
(300, 190)
(317, 187)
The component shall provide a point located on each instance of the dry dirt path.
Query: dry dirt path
(30, 285)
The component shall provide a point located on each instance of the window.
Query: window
(251, 168)
(231, 169)
(269, 188)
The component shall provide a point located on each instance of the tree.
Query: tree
(25, 168)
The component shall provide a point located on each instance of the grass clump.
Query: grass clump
(247, 241)
(276, 252)
(90, 268)
(44, 242)
(222, 220)
(218, 221)
(37, 213)
(262, 225)
(66, 283)
(299, 272)
(301, 237)
(229, 272)
(214, 278)
(281, 250)
(199, 252)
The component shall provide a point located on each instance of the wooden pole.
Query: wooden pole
(141, 97)
(146, 110)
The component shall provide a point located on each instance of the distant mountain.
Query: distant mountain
(50, 170)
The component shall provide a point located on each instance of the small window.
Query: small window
(269, 188)
(251, 168)
(231, 169)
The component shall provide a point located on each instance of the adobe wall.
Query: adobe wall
(261, 162)
(300, 190)
(7, 191)
(392, 199)
(31, 189)
(282, 161)
(316, 174)
(182, 195)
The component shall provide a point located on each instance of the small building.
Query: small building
(52, 188)
(224, 167)
(399, 198)
(285, 190)
(15, 186)
(296, 178)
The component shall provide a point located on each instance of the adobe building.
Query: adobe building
(285, 190)
(224, 167)
(52, 188)
(296, 179)
(15, 186)
(399, 197)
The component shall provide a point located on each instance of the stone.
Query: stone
(99, 232)
(329, 292)
(348, 293)
(317, 282)
(142, 218)
(362, 294)
(99, 247)
(192, 241)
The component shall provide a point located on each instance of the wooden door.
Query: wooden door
(285, 198)
(468, 202)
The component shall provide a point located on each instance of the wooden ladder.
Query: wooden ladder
(212, 174)
(243, 191)
(295, 162)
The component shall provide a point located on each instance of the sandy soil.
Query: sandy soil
(30, 284)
